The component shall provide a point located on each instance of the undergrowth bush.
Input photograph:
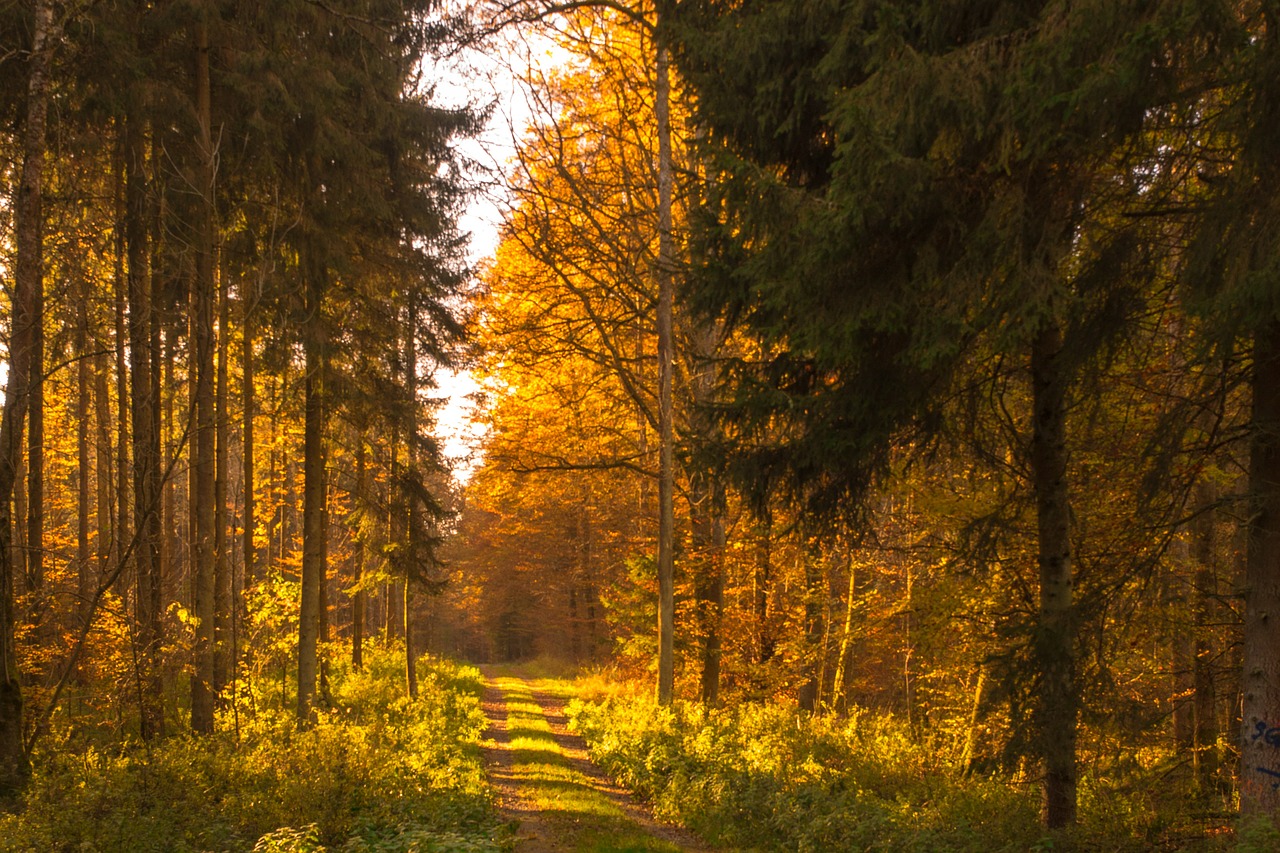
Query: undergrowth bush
(763, 777)
(377, 772)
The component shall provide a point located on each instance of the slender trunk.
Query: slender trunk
(322, 631)
(707, 538)
(18, 547)
(84, 466)
(761, 591)
(810, 693)
(103, 520)
(971, 733)
(1204, 720)
(666, 357)
(146, 556)
(313, 492)
(28, 274)
(358, 597)
(222, 606)
(410, 652)
(248, 446)
(411, 525)
(1058, 699)
(1260, 680)
(203, 460)
(35, 458)
(1174, 603)
(123, 382)
(846, 639)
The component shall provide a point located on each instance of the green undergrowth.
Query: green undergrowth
(377, 772)
(767, 778)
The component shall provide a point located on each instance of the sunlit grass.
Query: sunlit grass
(584, 818)
(377, 772)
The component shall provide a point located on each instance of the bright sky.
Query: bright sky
(484, 78)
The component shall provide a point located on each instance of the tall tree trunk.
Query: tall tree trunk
(203, 460)
(103, 512)
(28, 275)
(35, 458)
(707, 540)
(145, 508)
(846, 637)
(666, 368)
(410, 652)
(84, 465)
(358, 597)
(761, 592)
(222, 606)
(123, 383)
(810, 693)
(247, 443)
(1204, 718)
(1058, 699)
(411, 505)
(1260, 681)
(322, 631)
(706, 519)
(313, 489)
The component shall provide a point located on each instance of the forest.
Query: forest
(876, 443)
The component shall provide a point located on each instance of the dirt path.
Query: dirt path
(546, 782)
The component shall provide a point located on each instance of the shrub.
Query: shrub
(376, 772)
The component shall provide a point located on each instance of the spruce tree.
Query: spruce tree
(900, 186)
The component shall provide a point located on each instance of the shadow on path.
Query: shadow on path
(548, 786)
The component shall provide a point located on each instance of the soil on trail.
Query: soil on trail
(548, 786)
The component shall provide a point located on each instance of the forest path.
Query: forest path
(546, 782)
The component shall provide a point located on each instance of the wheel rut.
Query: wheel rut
(547, 785)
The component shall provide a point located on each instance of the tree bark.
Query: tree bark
(666, 357)
(84, 466)
(1260, 680)
(411, 525)
(1058, 694)
(1204, 705)
(247, 443)
(313, 491)
(145, 458)
(357, 571)
(28, 274)
(203, 459)
(222, 598)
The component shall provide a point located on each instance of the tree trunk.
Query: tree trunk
(761, 590)
(247, 445)
(357, 571)
(1260, 680)
(1204, 718)
(104, 515)
(313, 492)
(410, 652)
(123, 384)
(412, 510)
(1058, 699)
(222, 606)
(28, 274)
(35, 459)
(203, 460)
(84, 465)
(666, 357)
(145, 508)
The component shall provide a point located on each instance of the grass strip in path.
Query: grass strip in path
(562, 801)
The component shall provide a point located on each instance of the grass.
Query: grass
(577, 813)
(377, 772)
(766, 778)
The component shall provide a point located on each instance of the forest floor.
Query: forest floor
(547, 785)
